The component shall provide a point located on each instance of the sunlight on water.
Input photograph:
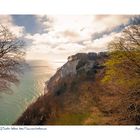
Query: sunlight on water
(31, 87)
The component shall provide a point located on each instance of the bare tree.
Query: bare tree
(128, 46)
(11, 58)
(123, 66)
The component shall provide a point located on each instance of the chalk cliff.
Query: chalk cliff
(77, 63)
(76, 95)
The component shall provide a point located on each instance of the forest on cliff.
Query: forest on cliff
(103, 90)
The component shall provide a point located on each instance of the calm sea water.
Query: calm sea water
(30, 88)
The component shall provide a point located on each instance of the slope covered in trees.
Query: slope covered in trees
(103, 90)
(123, 66)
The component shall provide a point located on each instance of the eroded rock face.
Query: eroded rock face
(76, 64)
(69, 68)
(76, 95)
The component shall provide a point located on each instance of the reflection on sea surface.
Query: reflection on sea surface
(30, 88)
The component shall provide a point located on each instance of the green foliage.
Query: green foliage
(71, 119)
(123, 65)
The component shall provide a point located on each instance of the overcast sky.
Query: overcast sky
(55, 37)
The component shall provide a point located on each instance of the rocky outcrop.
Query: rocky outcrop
(76, 63)
(76, 95)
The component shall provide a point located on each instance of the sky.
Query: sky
(55, 37)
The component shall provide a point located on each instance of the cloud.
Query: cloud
(99, 44)
(45, 21)
(68, 35)
(6, 20)
(46, 39)
(55, 37)
(108, 22)
(29, 22)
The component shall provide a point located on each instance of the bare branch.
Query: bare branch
(11, 58)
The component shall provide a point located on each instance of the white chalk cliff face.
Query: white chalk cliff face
(69, 68)
(76, 63)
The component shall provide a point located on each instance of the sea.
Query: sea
(30, 87)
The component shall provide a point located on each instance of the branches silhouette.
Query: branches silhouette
(12, 53)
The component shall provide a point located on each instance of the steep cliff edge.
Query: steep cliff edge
(76, 95)
(77, 65)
